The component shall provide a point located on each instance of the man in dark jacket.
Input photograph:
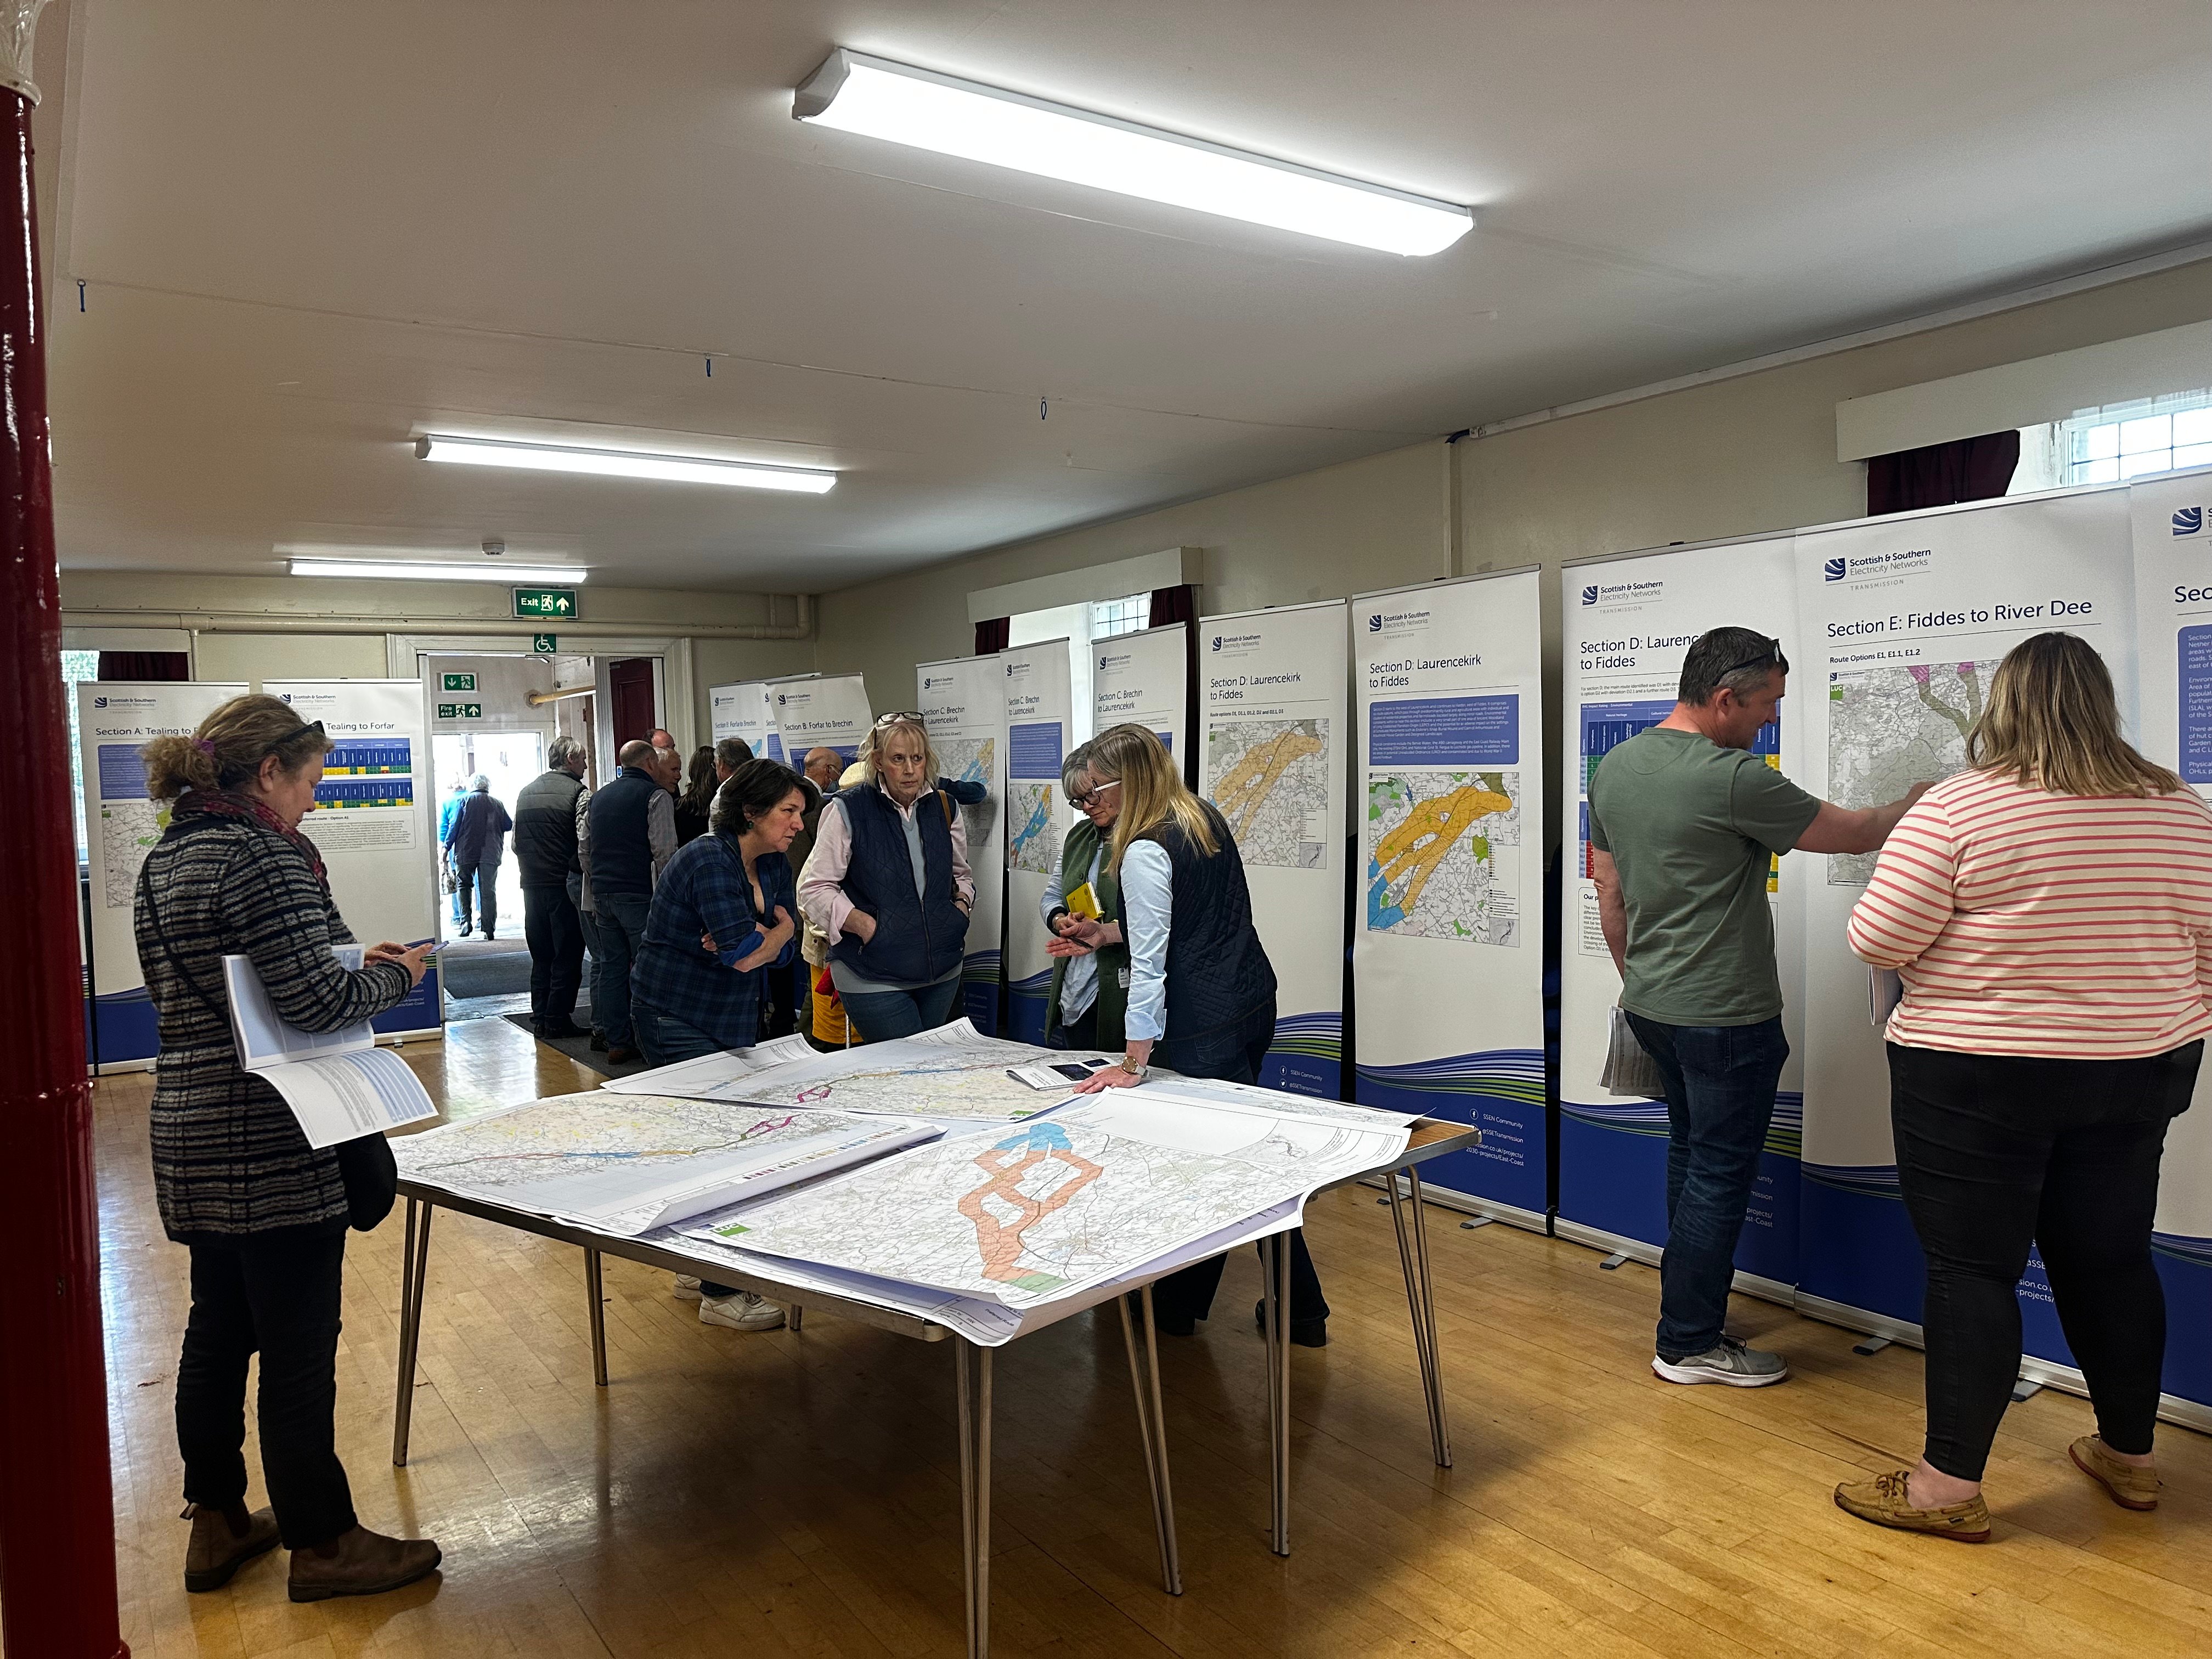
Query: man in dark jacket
(476, 844)
(631, 834)
(546, 851)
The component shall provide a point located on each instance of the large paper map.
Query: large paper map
(1270, 778)
(1443, 855)
(953, 1071)
(1095, 1191)
(1890, 728)
(974, 760)
(630, 1163)
(1032, 826)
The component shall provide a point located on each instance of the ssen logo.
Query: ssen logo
(1375, 622)
(931, 683)
(1590, 594)
(1216, 641)
(1833, 570)
(100, 702)
(2187, 520)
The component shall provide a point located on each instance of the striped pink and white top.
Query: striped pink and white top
(2022, 922)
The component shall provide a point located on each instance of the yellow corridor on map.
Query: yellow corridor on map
(1431, 830)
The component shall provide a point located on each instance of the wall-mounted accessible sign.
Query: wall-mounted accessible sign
(545, 602)
(541, 645)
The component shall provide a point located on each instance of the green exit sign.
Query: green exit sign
(457, 683)
(545, 602)
(543, 644)
(461, 711)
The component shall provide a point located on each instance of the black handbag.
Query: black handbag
(366, 1165)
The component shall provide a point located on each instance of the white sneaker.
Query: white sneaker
(687, 1287)
(1734, 1364)
(741, 1310)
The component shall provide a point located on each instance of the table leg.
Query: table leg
(1413, 1262)
(1144, 1383)
(973, 1391)
(595, 1292)
(1276, 1270)
(414, 1268)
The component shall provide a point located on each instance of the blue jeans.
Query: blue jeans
(622, 930)
(665, 1041)
(880, 1016)
(1720, 1098)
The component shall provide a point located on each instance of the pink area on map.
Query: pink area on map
(1919, 671)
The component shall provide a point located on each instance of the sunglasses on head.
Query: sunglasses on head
(1771, 652)
(906, 717)
(315, 726)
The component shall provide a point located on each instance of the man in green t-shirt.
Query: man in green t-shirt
(1684, 821)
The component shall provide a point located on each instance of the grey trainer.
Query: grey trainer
(1733, 1364)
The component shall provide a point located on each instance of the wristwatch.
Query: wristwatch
(1133, 1068)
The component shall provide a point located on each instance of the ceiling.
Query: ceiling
(306, 233)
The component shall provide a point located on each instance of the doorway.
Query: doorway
(509, 760)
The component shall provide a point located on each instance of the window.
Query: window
(1112, 617)
(76, 666)
(2120, 441)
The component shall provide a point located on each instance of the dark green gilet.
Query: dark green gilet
(1084, 842)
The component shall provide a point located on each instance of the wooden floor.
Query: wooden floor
(751, 1497)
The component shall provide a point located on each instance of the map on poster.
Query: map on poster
(1443, 855)
(128, 830)
(1033, 822)
(1048, 1208)
(1270, 778)
(974, 760)
(952, 1072)
(1890, 728)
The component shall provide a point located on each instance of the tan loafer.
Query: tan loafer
(215, 1551)
(2132, 1487)
(1884, 1501)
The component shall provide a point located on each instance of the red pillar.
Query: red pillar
(56, 1506)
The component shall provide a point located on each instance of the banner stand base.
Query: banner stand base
(1535, 1221)
(1767, 1289)
(2183, 1413)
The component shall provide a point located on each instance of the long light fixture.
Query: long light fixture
(549, 576)
(854, 93)
(619, 463)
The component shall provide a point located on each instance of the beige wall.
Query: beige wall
(254, 658)
(1364, 525)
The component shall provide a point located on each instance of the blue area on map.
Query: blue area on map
(1038, 819)
(1381, 912)
(1445, 732)
(973, 772)
(1034, 750)
(1037, 1137)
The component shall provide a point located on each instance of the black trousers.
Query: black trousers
(281, 1300)
(1998, 1152)
(556, 936)
(479, 883)
(1230, 1056)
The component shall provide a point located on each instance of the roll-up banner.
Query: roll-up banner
(1039, 698)
(372, 821)
(963, 704)
(115, 720)
(1272, 704)
(1904, 619)
(742, 711)
(1448, 946)
(2173, 639)
(818, 711)
(1627, 624)
(1144, 680)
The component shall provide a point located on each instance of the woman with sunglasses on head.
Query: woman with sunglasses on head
(888, 885)
(1089, 991)
(264, 1214)
(1202, 998)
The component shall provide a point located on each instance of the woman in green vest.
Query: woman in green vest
(1082, 907)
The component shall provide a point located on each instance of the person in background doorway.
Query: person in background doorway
(730, 753)
(546, 851)
(1201, 996)
(1685, 823)
(1090, 992)
(447, 813)
(720, 925)
(631, 837)
(264, 1214)
(2049, 909)
(697, 796)
(888, 884)
(476, 844)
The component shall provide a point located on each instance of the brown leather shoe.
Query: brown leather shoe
(1884, 1501)
(215, 1551)
(2131, 1485)
(360, 1563)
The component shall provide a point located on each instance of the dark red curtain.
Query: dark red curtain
(1965, 470)
(991, 636)
(1173, 605)
(141, 666)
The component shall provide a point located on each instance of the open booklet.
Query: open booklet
(339, 1085)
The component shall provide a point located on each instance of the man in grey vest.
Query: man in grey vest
(632, 834)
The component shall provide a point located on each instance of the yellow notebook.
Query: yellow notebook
(1083, 903)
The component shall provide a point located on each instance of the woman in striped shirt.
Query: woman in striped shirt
(2049, 910)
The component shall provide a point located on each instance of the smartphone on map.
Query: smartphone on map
(1055, 1074)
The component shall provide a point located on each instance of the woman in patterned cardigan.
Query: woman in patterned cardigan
(264, 1214)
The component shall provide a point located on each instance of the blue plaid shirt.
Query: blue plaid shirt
(704, 891)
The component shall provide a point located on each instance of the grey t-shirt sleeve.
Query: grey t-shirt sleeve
(1767, 808)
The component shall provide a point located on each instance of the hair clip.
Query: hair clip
(205, 746)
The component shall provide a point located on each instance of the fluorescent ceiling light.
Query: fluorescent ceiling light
(854, 93)
(619, 463)
(549, 576)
